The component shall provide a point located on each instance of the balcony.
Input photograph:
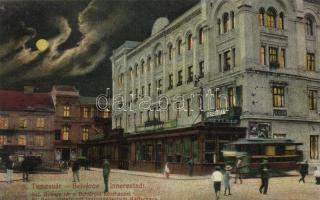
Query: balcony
(179, 83)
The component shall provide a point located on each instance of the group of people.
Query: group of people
(217, 177)
(25, 167)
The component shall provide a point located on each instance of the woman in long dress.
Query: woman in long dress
(167, 170)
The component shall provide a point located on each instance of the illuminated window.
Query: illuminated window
(40, 122)
(261, 17)
(273, 55)
(278, 96)
(282, 58)
(105, 114)
(39, 140)
(65, 133)
(3, 139)
(4, 122)
(225, 20)
(271, 18)
(218, 100)
(231, 97)
(201, 36)
(314, 146)
(22, 140)
(190, 42)
(85, 112)
(92, 111)
(23, 122)
(311, 64)
(281, 21)
(85, 134)
(227, 61)
(66, 111)
(312, 99)
(262, 55)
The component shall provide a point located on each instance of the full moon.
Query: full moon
(42, 44)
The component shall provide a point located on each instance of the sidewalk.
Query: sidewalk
(156, 175)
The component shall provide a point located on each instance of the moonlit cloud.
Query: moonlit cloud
(96, 24)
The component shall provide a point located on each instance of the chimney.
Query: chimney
(28, 89)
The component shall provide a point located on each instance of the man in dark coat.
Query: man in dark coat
(190, 167)
(9, 167)
(238, 170)
(75, 170)
(106, 173)
(264, 172)
(304, 168)
(26, 167)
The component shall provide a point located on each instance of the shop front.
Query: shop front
(202, 144)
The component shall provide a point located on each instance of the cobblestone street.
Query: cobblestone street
(138, 185)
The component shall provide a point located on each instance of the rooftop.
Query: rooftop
(21, 101)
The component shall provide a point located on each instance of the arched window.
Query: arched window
(232, 20)
(130, 73)
(160, 57)
(309, 26)
(136, 70)
(261, 17)
(271, 18)
(142, 67)
(281, 21)
(190, 42)
(148, 63)
(170, 52)
(179, 46)
(201, 36)
(225, 20)
(219, 26)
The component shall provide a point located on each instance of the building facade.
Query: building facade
(74, 121)
(254, 61)
(27, 125)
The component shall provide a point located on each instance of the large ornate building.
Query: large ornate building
(242, 64)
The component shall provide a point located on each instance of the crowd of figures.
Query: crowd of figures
(224, 176)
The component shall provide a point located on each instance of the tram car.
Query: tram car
(282, 154)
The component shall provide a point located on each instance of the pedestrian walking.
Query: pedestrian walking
(226, 180)
(75, 170)
(167, 170)
(304, 169)
(317, 175)
(9, 168)
(106, 173)
(26, 166)
(238, 170)
(217, 178)
(264, 172)
(190, 167)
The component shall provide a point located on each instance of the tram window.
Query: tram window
(280, 150)
(270, 151)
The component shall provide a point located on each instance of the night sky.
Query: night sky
(81, 36)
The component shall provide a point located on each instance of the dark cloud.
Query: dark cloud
(81, 35)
